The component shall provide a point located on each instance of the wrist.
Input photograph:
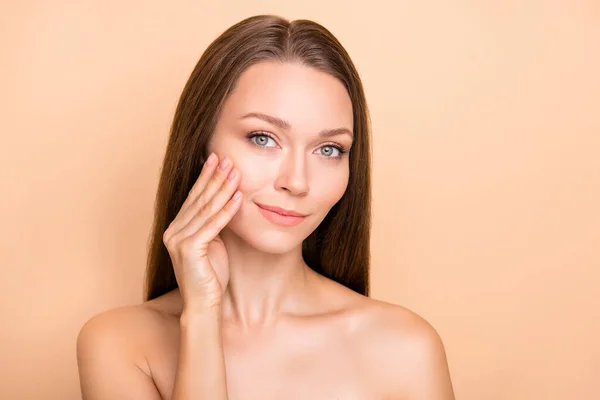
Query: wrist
(201, 303)
(200, 314)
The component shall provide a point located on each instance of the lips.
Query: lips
(280, 216)
(281, 211)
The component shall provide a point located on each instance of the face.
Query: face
(288, 129)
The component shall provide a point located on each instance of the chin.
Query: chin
(273, 241)
(267, 242)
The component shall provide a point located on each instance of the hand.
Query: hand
(198, 254)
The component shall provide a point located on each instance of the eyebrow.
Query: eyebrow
(285, 125)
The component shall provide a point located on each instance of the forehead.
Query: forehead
(309, 99)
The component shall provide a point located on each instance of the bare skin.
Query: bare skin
(346, 346)
(250, 319)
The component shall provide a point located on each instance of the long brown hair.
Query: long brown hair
(339, 247)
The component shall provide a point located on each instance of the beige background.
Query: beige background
(486, 118)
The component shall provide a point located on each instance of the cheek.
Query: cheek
(329, 188)
(251, 167)
(254, 173)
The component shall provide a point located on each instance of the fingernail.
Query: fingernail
(211, 159)
(237, 195)
(232, 174)
(224, 163)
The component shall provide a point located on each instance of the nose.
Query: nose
(293, 175)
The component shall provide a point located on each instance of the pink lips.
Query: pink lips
(280, 216)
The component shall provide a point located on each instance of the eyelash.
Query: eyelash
(343, 150)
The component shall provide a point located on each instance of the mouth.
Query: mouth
(280, 216)
(281, 211)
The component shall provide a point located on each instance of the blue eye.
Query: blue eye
(264, 140)
(329, 151)
(261, 140)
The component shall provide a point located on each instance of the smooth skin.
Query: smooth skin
(250, 320)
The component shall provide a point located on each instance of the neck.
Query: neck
(262, 286)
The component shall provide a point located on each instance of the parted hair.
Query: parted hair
(339, 248)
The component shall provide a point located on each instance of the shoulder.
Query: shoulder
(406, 351)
(123, 330)
(113, 346)
(131, 326)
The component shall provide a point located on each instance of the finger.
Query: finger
(216, 181)
(207, 172)
(215, 225)
(214, 206)
(214, 184)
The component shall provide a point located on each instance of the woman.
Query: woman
(257, 278)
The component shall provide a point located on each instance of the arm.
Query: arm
(430, 376)
(410, 357)
(109, 369)
(110, 365)
(425, 364)
(201, 366)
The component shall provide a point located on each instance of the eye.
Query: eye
(330, 151)
(333, 151)
(262, 140)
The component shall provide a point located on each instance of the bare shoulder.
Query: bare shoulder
(133, 327)
(406, 351)
(113, 348)
(401, 324)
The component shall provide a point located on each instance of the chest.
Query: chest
(325, 373)
(316, 367)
